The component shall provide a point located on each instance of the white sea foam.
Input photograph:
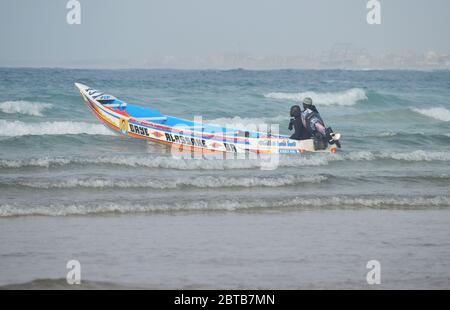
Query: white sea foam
(167, 162)
(245, 123)
(18, 128)
(343, 98)
(440, 114)
(344, 202)
(419, 156)
(414, 156)
(24, 107)
(34, 162)
(198, 182)
(388, 134)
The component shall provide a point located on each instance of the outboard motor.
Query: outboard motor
(333, 138)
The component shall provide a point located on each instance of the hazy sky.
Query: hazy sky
(35, 32)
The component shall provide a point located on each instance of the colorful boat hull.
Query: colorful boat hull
(145, 123)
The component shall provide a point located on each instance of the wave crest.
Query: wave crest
(167, 162)
(18, 128)
(244, 122)
(343, 98)
(24, 107)
(197, 182)
(342, 202)
(440, 114)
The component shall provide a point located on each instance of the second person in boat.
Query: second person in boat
(296, 123)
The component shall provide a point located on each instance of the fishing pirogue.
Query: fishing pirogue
(145, 123)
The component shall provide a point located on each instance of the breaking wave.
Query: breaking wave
(155, 162)
(440, 114)
(343, 98)
(245, 122)
(18, 128)
(24, 107)
(343, 202)
(420, 156)
(198, 182)
(167, 162)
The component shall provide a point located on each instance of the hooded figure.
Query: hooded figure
(300, 132)
(312, 120)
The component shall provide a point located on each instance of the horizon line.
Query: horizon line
(235, 68)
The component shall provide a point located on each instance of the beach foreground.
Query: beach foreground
(293, 249)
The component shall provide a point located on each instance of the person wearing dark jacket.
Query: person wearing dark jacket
(300, 133)
(312, 120)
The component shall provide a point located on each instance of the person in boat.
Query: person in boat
(312, 120)
(296, 123)
(315, 126)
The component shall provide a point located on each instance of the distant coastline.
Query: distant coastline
(418, 69)
(336, 58)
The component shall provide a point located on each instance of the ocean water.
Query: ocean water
(64, 177)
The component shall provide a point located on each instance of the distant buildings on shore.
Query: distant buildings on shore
(340, 56)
